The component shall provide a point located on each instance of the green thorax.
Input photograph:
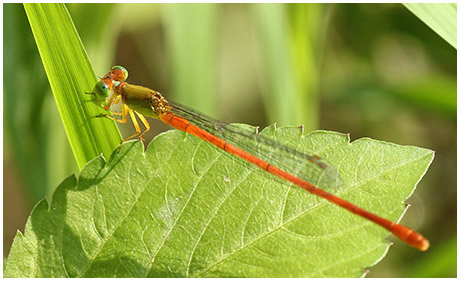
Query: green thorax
(144, 100)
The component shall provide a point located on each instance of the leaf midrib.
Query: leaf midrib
(283, 224)
(287, 222)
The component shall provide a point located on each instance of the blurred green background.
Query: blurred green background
(371, 70)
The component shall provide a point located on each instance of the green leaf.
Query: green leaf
(70, 75)
(186, 208)
(441, 17)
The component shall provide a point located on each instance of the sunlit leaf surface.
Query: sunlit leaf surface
(186, 209)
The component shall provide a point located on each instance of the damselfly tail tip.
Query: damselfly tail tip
(424, 245)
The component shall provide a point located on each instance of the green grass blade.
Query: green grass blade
(441, 17)
(70, 75)
(279, 96)
(191, 33)
(305, 24)
(287, 44)
(99, 35)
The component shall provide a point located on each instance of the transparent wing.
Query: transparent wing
(310, 168)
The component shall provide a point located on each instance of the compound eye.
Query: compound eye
(119, 73)
(101, 89)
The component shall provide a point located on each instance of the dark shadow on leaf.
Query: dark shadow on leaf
(120, 266)
(87, 179)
